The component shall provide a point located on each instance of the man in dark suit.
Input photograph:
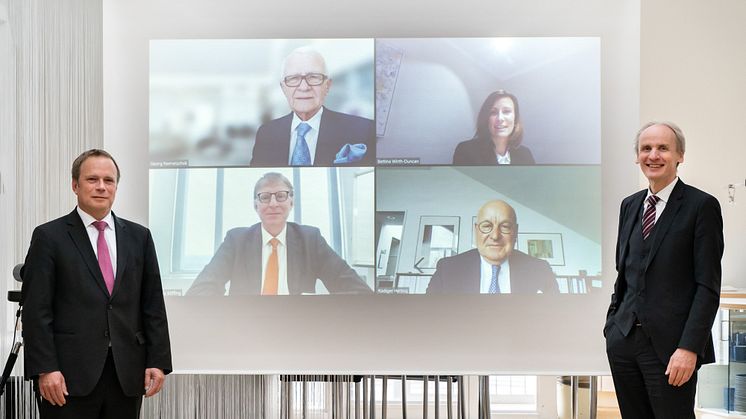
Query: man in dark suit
(312, 135)
(495, 266)
(95, 327)
(667, 289)
(275, 256)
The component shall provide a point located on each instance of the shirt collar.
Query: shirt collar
(266, 236)
(314, 122)
(504, 158)
(665, 193)
(488, 265)
(88, 219)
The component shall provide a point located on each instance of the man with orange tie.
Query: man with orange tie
(274, 256)
(94, 319)
(667, 290)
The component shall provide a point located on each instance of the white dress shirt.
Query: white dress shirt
(109, 234)
(312, 136)
(504, 159)
(664, 195)
(282, 258)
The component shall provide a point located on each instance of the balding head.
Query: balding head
(496, 230)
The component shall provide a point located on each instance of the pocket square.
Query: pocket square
(350, 153)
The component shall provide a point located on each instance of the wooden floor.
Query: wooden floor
(609, 409)
(607, 406)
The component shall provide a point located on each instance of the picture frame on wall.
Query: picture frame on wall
(547, 246)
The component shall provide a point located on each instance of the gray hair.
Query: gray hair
(272, 177)
(680, 140)
(304, 51)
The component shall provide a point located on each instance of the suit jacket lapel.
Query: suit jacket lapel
(473, 269)
(122, 252)
(293, 251)
(321, 157)
(254, 259)
(666, 219)
(79, 236)
(634, 210)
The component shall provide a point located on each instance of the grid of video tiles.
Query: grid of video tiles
(411, 166)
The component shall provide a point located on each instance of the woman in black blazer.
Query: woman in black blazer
(499, 135)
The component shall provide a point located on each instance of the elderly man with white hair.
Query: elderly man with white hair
(311, 134)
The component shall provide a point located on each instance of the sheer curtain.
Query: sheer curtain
(50, 111)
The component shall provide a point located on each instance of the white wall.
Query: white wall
(554, 338)
(693, 66)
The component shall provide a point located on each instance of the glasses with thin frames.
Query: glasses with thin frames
(486, 227)
(312, 79)
(280, 196)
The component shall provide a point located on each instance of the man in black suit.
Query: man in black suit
(667, 290)
(94, 320)
(275, 256)
(312, 135)
(495, 266)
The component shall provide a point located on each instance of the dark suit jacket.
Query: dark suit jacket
(680, 291)
(461, 274)
(69, 317)
(309, 257)
(272, 146)
(476, 152)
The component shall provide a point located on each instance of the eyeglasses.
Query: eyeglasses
(280, 196)
(313, 79)
(486, 227)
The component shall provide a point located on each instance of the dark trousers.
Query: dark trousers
(106, 401)
(642, 387)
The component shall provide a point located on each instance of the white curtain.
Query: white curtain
(50, 111)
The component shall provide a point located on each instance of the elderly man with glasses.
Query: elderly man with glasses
(274, 256)
(495, 266)
(312, 135)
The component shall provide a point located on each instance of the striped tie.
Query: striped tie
(648, 218)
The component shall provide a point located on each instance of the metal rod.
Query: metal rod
(373, 397)
(594, 397)
(403, 397)
(437, 397)
(357, 400)
(384, 396)
(484, 397)
(461, 398)
(424, 396)
(574, 395)
(366, 414)
(449, 396)
(304, 398)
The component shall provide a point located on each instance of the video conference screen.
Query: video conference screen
(376, 166)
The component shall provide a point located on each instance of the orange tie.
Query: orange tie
(272, 274)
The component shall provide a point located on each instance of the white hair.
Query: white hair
(308, 51)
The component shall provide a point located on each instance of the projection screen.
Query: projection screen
(402, 214)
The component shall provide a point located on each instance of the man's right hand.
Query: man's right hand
(52, 387)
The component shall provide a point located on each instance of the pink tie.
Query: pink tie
(104, 258)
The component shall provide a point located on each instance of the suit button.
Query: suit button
(109, 307)
(106, 334)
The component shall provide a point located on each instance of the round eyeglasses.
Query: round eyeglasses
(280, 196)
(486, 227)
(312, 79)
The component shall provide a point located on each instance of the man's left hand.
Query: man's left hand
(154, 379)
(681, 367)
